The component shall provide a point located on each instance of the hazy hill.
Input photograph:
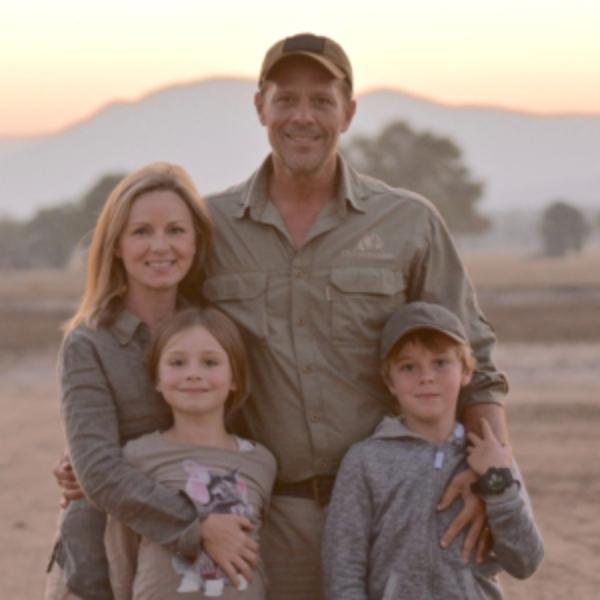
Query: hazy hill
(210, 128)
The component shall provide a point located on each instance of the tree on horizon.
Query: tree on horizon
(49, 238)
(426, 163)
(563, 229)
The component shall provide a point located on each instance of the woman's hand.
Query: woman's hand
(65, 477)
(225, 539)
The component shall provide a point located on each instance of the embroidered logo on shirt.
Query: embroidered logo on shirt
(370, 245)
(371, 242)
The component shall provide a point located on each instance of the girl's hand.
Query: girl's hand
(225, 539)
(65, 477)
(487, 451)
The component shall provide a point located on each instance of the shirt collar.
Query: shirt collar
(254, 196)
(351, 189)
(393, 428)
(125, 326)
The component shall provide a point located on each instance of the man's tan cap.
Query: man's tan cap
(420, 315)
(322, 49)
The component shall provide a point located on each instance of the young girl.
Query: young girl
(198, 363)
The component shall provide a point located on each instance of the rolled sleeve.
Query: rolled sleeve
(439, 276)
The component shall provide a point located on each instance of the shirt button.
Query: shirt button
(300, 322)
(300, 273)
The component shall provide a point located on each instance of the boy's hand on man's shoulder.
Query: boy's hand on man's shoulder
(486, 451)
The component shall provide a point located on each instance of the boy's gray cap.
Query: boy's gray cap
(420, 315)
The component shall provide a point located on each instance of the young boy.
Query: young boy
(382, 537)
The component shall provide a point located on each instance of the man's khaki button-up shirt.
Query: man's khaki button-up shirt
(311, 317)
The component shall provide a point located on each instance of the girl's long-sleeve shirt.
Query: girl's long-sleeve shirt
(217, 480)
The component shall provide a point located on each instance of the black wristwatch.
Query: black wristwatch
(493, 481)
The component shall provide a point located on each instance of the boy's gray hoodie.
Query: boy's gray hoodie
(383, 532)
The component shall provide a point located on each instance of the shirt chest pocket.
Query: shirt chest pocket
(242, 297)
(361, 300)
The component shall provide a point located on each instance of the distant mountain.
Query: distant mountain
(211, 129)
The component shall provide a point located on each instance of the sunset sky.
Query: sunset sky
(62, 60)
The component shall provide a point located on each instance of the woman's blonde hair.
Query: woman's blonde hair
(224, 330)
(106, 279)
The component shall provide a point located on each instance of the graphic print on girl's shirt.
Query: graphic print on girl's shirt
(217, 491)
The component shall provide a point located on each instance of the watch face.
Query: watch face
(493, 481)
(496, 481)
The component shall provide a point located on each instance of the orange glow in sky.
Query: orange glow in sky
(63, 60)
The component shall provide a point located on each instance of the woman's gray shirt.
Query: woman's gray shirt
(383, 532)
(107, 400)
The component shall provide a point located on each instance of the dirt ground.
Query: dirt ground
(550, 344)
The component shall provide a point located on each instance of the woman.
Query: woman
(145, 261)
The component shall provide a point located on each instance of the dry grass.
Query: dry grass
(509, 270)
(554, 412)
(494, 271)
(539, 299)
(489, 270)
(554, 416)
(40, 285)
(525, 299)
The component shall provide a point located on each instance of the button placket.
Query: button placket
(303, 330)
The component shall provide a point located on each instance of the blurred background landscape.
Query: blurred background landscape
(492, 172)
(490, 110)
(530, 238)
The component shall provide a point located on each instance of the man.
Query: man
(310, 259)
